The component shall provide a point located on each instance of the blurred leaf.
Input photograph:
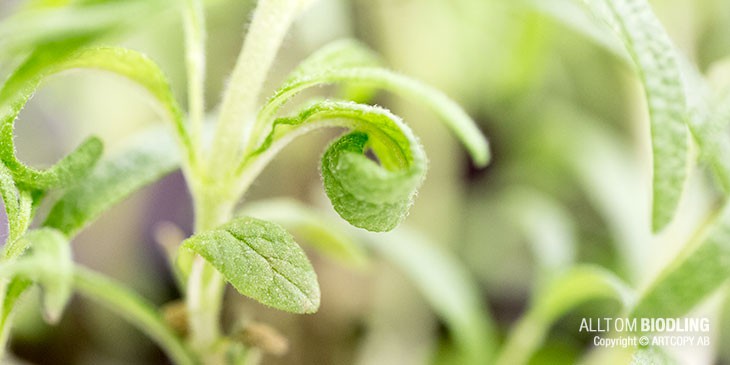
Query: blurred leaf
(321, 234)
(548, 227)
(652, 356)
(693, 275)
(709, 127)
(42, 25)
(48, 262)
(150, 156)
(135, 309)
(654, 55)
(366, 194)
(262, 261)
(447, 287)
(578, 285)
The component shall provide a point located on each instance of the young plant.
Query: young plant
(259, 258)
(680, 104)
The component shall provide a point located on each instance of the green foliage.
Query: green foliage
(259, 258)
(349, 63)
(48, 262)
(367, 195)
(693, 275)
(446, 286)
(150, 156)
(43, 25)
(44, 63)
(135, 309)
(578, 285)
(262, 261)
(652, 52)
(320, 233)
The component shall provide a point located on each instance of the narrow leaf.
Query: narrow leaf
(262, 261)
(48, 61)
(150, 156)
(693, 275)
(577, 286)
(448, 288)
(136, 310)
(366, 194)
(312, 227)
(652, 52)
(353, 65)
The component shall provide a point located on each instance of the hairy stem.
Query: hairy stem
(135, 309)
(271, 21)
(194, 22)
(205, 285)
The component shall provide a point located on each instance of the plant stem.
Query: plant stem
(205, 286)
(194, 22)
(135, 309)
(271, 21)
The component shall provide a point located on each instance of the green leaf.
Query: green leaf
(148, 157)
(693, 275)
(48, 263)
(654, 55)
(447, 287)
(262, 261)
(709, 124)
(352, 64)
(48, 61)
(310, 226)
(39, 26)
(18, 206)
(366, 194)
(576, 286)
(136, 310)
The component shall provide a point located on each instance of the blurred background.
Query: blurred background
(568, 183)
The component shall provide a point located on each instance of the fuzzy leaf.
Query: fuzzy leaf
(18, 206)
(693, 275)
(262, 261)
(48, 61)
(366, 194)
(149, 157)
(352, 64)
(654, 55)
(577, 286)
(310, 226)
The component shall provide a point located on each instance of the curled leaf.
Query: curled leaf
(51, 60)
(363, 193)
(368, 194)
(352, 64)
(262, 261)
